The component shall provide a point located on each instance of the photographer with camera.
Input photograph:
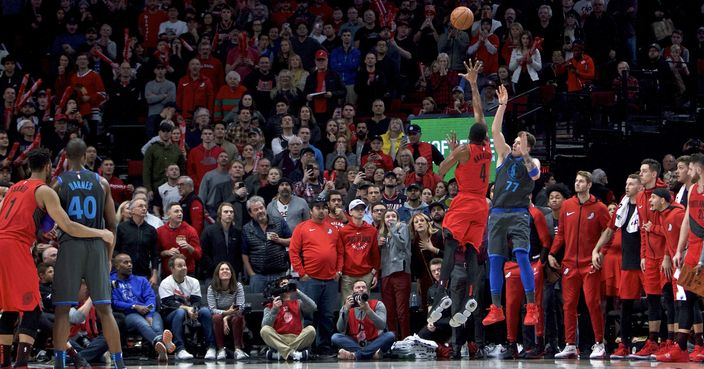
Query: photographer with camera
(364, 322)
(181, 302)
(282, 324)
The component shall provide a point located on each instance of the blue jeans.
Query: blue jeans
(137, 322)
(258, 282)
(176, 320)
(324, 293)
(383, 342)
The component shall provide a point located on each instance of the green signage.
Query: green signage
(435, 129)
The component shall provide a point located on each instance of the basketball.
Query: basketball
(462, 18)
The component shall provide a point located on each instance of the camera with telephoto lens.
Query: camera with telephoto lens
(357, 297)
(289, 287)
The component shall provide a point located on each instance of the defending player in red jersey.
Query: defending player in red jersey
(465, 221)
(22, 211)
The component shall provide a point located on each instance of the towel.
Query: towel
(621, 214)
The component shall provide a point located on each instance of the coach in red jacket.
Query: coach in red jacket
(582, 220)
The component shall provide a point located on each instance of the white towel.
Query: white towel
(621, 214)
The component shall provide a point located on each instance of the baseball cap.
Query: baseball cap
(436, 204)
(389, 174)
(458, 89)
(307, 149)
(59, 117)
(413, 129)
(285, 180)
(412, 186)
(355, 203)
(318, 201)
(321, 54)
(655, 46)
(375, 137)
(23, 123)
(664, 193)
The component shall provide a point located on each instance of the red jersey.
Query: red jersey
(490, 61)
(670, 224)
(88, 84)
(361, 245)
(148, 24)
(652, 245)
(579, 229)
(119, 190)
(167, 236)
(20, 218)
(288, 319)
(315, 250)
(473, 175)
(363, 330)
(201, 161)
(696, 226)
(213, 69)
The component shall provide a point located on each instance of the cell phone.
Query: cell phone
(239, 184)
(309, 167)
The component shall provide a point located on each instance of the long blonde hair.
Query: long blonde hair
(414, 234)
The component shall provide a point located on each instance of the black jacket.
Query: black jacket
(333, 84)
(140, 243)
(216, 248)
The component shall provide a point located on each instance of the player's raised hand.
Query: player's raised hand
(502, 94)
(524, 143)
(452, 141)
(472, 71)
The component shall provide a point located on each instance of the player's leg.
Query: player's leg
(8, 319)
(69, 269)
(519, 232)
(498, 249)
(98, 282)
(27, 333)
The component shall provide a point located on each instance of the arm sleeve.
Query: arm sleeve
(559, 240)
(212, 304)
(307, 304)
(541, 225)
(379, 316)
(194, 241)
(342, 321)
(239, 295)
(437, 155)
(269, 316)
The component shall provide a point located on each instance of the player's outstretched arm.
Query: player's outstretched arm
(458, 151)
(500, 145)
(49, 200)
(471, 77)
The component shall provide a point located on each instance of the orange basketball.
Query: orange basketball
(462, 18)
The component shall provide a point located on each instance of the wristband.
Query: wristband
(534, 172)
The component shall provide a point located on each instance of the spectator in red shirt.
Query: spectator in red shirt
(88, 86)
(459, 105)
(423, 175)
(120, 191)
(581, 71)
(194, 90)
(149, 21)
(211, 67)
(376, 155)
(177, 237)
(317, 256)
(484, 47)
(362, 258)
(204, 157)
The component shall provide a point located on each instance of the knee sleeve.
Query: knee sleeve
(8, 320)
(654, 308)
(30, 322)
(526, 270)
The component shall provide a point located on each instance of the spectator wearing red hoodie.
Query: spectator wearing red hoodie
(582, 220)
(177, 237)
(119, 190)
(362, 258)
(652, 251)
(204, 157)
(194, 90)
(211, 67)
(317, 256)
(149, 21)
(376, 155)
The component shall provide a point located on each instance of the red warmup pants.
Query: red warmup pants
(587, 279)
(515, 295)
(395, 294)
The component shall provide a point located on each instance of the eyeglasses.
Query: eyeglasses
(379, 210)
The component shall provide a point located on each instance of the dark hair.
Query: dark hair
(172, 260)
(43, 267)
(477, 133)
(76, 149)
(559, 187)
(217, 284)
(652, 164)
(435, 261)
(529, 138)
(38, 159)
(697, 159)
(171, 205)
